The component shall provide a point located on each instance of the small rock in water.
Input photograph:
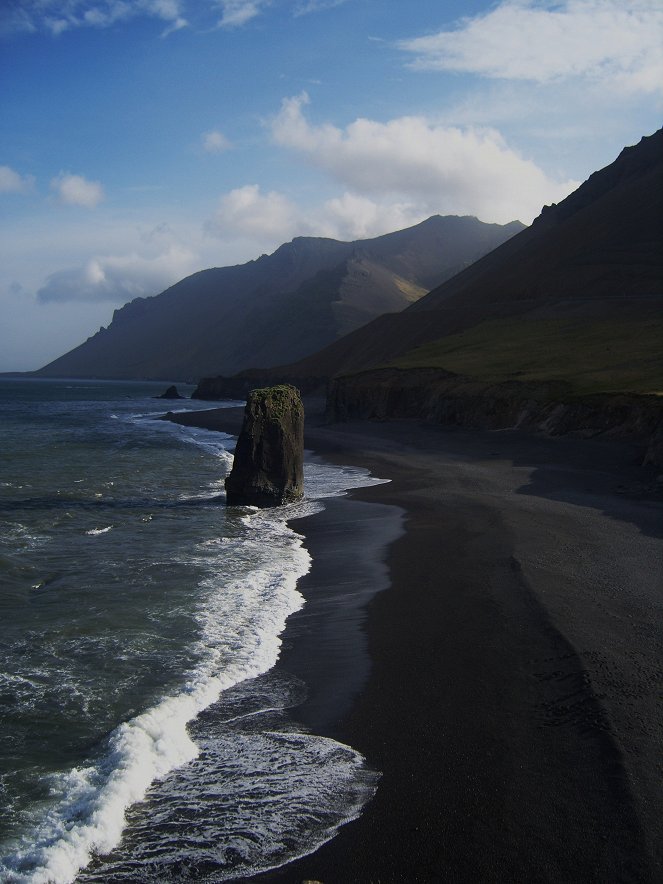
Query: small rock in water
(171, 393)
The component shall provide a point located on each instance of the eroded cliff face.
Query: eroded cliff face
(441, 397)
(238, 387)
(268, 468)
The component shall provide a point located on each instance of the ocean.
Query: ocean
(145, 735)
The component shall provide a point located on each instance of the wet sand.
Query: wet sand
(513, 696)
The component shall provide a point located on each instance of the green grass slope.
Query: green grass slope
(613, 356)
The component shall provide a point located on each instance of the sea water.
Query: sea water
(144, 734)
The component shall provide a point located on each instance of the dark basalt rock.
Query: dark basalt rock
(221, 387)
(440, 397)
(268, 468)
(171, 393)
(240, 385)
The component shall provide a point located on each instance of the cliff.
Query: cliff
(441, 397)
(238, 386)
(268, 469)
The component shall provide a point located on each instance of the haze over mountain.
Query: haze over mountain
(280, 307)
(583, 284)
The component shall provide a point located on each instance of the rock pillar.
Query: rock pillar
(268, 468)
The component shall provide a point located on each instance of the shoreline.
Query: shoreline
(515, 656)
(324, 643)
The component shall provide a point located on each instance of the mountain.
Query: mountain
(280, 307)
(575, 297)
(559, 329)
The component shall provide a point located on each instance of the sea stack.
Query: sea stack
(268, 469)
(171, 393)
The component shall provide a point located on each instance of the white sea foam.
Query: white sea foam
(22, 537)
(95, 531)
(323, 480)
(214, 442)
(240, 623)
(239, 639)
(308, 787)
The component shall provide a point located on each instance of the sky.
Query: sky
(143, 140)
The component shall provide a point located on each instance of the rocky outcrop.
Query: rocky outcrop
(171, 393)
(442, 397)
(268, 468)
(219, 388)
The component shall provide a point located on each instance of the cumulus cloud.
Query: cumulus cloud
(58, 16)
(246, 212)
(118, 278)
(608, 41)
(12, 182)
(75, 190)
(247, 215)
(215, 142)
(351, 216)
(83, 270)
(440, 169)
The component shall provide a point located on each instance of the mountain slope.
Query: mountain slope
(279, 307)
(594, 258)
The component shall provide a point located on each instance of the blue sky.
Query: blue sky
(143, 140)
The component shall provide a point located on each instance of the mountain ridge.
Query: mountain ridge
(278, 307)
(595, 254)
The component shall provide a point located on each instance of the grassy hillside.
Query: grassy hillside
(614, 356)
(576, 297)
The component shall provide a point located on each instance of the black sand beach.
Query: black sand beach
(513, 696)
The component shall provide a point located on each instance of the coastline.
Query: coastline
(515, 658)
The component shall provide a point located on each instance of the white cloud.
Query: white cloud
(438, 169)
(246, 212)
(15, 20)
(12, 182)
(118, 257)
(215, 142)
(58, 16)
(75, 190)
(118, 278)
(607, 41)
(308, 6)
(351, 216)
(84, 270)
(238, 12)
(262, 222)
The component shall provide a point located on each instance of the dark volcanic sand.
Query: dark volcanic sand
(513, 702)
